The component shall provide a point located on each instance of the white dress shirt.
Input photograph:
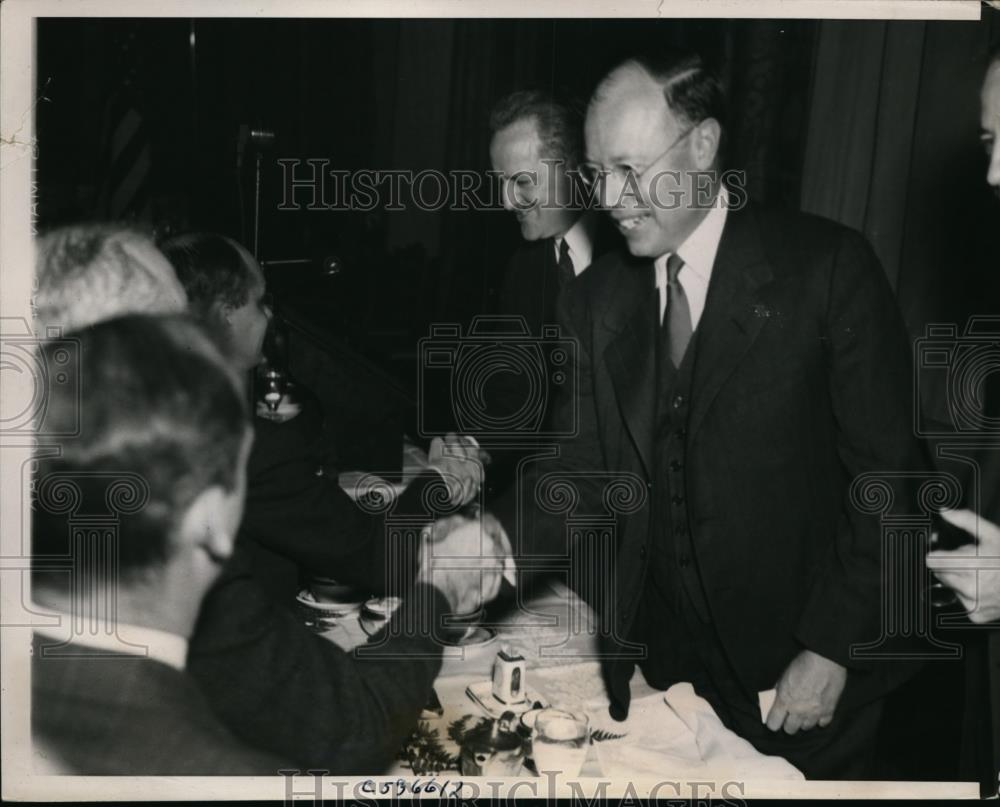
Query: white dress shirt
(133, 640)
(698, 253)
(580, 238)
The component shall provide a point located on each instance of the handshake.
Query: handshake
(466, 558)
(460, 461)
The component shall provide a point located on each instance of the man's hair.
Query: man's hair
(692, 89)
(155, 411)
(559, 124)
(212, 269)
(87, 273)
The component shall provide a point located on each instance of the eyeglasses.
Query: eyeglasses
(591, 173)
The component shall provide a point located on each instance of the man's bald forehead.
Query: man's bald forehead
(629, 76)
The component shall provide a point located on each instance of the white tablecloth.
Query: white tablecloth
(672, 733)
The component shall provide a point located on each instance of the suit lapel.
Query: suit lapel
(733, 315)
(631, 354)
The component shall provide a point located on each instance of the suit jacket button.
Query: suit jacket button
(678, 401)
(642, 551)
(676, 465)
(680, 433)
(677, 499)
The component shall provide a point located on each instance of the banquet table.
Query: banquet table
(674, 733)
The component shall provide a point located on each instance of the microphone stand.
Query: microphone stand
(260, 140)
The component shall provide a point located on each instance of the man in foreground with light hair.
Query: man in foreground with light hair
(90, 273)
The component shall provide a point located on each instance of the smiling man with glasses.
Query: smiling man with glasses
(748, 364)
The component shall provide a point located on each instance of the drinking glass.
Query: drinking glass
(945, 535)
(560, 742)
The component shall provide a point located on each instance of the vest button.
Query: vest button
(683, 561)
(678, 401)
(680, 433)
(642, 551)
(677, 499)
(676, 465)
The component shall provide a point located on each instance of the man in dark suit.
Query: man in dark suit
(747, 365)
(971, 570)
(113, 697)
(535, 150)
(298, 521)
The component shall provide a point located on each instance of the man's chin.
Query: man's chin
(641, 247)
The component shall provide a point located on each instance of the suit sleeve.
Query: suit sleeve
(311, 520)
(535, 522)
(869, 371)
(286, 690)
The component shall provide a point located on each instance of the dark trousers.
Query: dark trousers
(683, 648)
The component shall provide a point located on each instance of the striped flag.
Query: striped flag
(125, 191)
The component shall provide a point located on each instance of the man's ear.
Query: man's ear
(705, 139)
(208, 523)
(225, 312)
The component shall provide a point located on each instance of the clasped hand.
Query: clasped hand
(460, 462)
(466, 558)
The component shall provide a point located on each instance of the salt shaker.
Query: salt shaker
(508, 676)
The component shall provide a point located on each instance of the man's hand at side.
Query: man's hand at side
(808, 692)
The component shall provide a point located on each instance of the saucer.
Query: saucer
(475, 636)
(308, 599)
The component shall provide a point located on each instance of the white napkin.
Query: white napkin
(720, 748)
(766, 700)
(656, 741)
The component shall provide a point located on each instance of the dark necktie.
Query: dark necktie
(566, 273)
(677, 318)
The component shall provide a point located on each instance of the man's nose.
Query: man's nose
(993, 172)
(612, 191)
(510, 200)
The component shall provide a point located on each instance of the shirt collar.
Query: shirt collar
(132, 640)
(580, 238)
(700, 248)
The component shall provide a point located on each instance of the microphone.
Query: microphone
(259, 139)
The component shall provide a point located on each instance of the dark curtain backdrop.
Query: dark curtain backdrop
(892, 149)
(871, 123)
